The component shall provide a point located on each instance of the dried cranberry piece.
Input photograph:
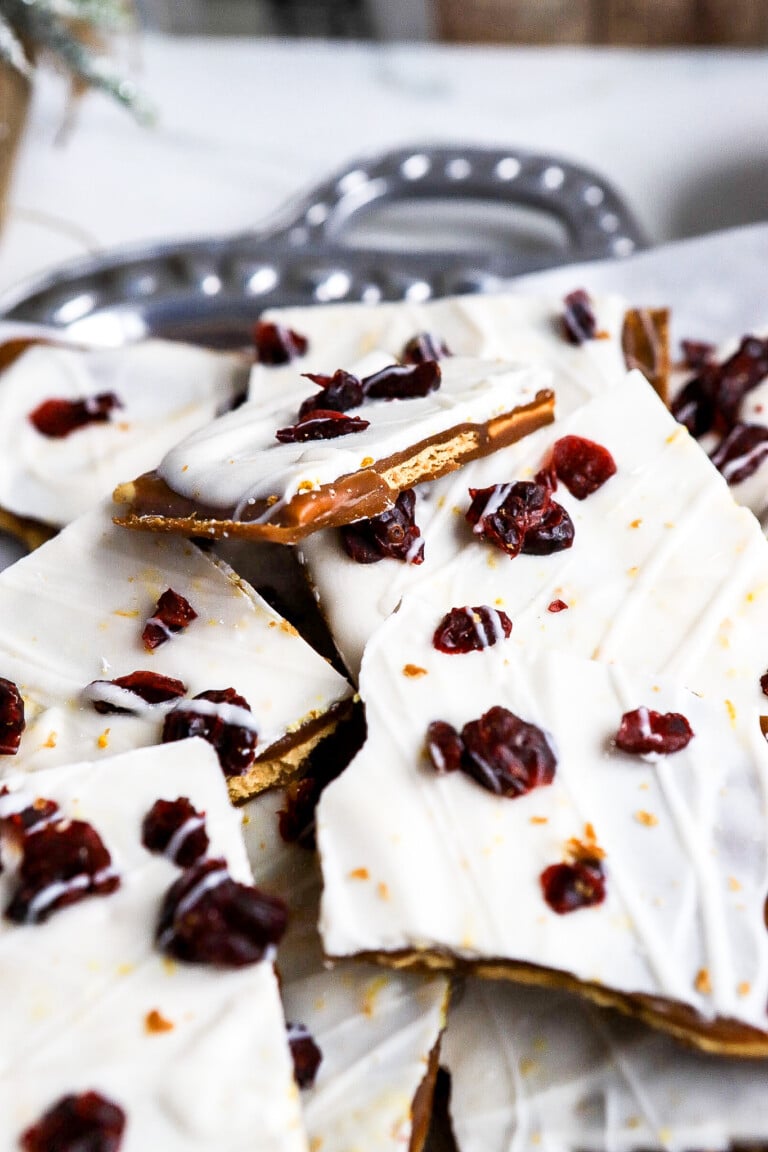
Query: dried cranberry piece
(58, 418)
(403, 381)
(694, 406)
(503, 513)
(578, 321)
(644, 731)
(741, 452)
(209, 918)
(151, 687)
(327, 760)
(338, 393)
(697, 353)
(424, 346)
(85, 1123)
(520, 517)
(711, 401)
(507, 755)
(12, 721)
(393, 534)
(582, 465)
(553, 534)
(471, 629)
(764, 683)
(62, 863)
(557, 606)
(276, 344)
(174, 828)
(321, 424)
(307, 1057)
(172, 614)
(223, 718)
(445, 747)
(569, 887)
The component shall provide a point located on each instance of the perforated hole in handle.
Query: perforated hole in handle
(586, 218)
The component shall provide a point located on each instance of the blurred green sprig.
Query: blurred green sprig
(66, 31)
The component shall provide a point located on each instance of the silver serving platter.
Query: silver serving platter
(210, 291)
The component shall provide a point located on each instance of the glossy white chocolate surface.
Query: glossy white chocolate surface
(77, 990)
(534, 1068)
(74, 610)
(684, 836)
(166, 391)
(375, 1029)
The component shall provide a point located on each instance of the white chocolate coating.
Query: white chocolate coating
(75, 991)
(520, 328)
(375, 1029)
(236, 460)
(666, 573)
(685, 836)
(167, 391)
(532, 1068)
(74, 610)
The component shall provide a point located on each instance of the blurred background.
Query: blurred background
(621, 22)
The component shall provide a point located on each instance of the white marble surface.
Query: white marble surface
(245, 124)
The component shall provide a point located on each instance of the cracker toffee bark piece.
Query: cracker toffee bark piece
(378, 1031)
(160, 392)
(535, 1068)
(666, 572)
(235, 478)
(90, 1003)
(75, 612)
(678, 843)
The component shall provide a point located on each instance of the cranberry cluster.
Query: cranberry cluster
(323, 416)
(62, 862)
(710, 402)
(219, 718)
(501, 752)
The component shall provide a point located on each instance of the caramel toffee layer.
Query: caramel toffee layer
(281, 762)
(645, 343)
(154, 506)
(720, 1036)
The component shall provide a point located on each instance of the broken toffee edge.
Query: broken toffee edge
(155, 507)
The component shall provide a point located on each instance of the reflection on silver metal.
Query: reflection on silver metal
(210, 291)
